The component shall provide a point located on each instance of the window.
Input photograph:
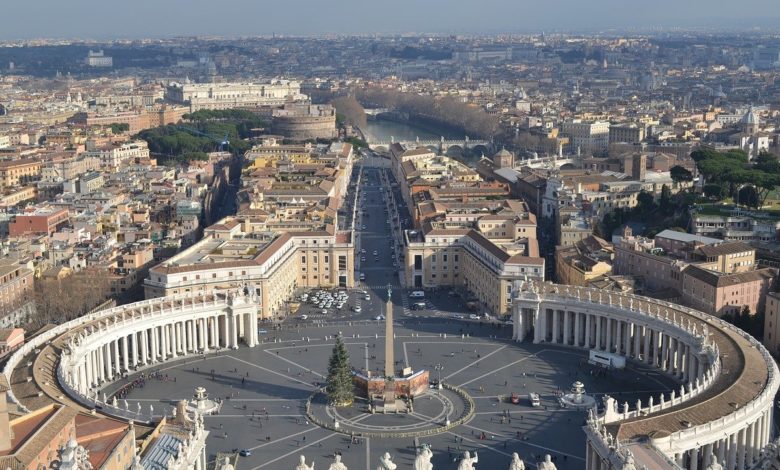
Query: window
(303, 259)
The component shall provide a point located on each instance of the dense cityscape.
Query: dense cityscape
(550, 251)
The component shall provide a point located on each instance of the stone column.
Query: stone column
(608, 326)
(637, 341)
(215, 330)
(732, 457)
(705, 459)
(155, 342)
(165, 340)
(90, 370)
(647, 336)
(752, 438)
(577, 329)
(107, 364)
(767, 428)
(741, 447)
(233, 331)
(694, 459)
(174, 340)
(618, 336)
(134, 350)
(664, 363)
(556, 329)
(597, 319)
(691, 366)
(588, 328)
(144, 347)
(125, 354)
(117, 361)
(566, 327)
(721, 450)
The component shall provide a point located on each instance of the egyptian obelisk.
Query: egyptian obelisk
(389, 354)
(389, 396)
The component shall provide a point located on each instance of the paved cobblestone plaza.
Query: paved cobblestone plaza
(265, 390)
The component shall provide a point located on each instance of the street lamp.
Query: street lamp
(438, 368)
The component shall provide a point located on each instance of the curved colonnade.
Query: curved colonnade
(107, 345)
(723, 409)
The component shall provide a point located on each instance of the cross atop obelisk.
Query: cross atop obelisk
(389, 356)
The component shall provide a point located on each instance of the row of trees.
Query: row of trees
(61, 300)
(447, 111)
(350, 110)
(731, 174)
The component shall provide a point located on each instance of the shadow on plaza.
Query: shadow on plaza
(233, 380)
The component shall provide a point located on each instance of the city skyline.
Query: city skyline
(89, 19)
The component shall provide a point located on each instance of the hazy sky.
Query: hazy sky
(105, 19)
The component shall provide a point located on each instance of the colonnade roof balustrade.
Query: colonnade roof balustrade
(747, 373)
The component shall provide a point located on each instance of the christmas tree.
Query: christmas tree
(340, 389)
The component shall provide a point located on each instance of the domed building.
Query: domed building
(504, 159)
(750, 122)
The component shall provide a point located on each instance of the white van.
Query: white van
(417, 293)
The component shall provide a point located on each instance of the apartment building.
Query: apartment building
(772, 322)
(720, 293)
(584, 261)
(628, 133)
(44, 220)
(457, 257)
(234, 256)
(16, 284)
(20, 171)
(586, 136)
(734, 224)
(114, 155)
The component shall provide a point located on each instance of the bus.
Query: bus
(534, 399)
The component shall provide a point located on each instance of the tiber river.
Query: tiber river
(381, 131)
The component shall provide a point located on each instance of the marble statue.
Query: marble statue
(467, 461)
(547, 464)
(386, 462)
(423, 459)
(628, 462)
(336, 465)
(714, 465)
(516, 463)
(302, 464)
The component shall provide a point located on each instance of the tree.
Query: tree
(680, 174)
(339, 383)
(119, 127)
(748, 196)
(665, 202)
(645, 203)
(352, 112)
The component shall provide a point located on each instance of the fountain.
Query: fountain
(202, 404)
(577, 398)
